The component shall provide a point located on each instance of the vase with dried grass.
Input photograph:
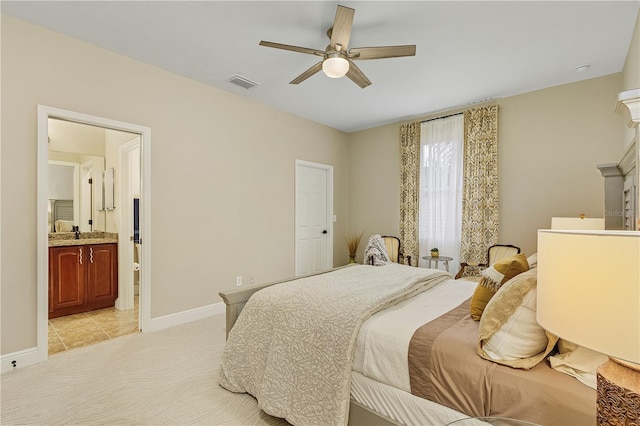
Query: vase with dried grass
(353, 241)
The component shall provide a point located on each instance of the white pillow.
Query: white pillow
(509, 333)
(578, 362)
(533, 260)
(520, 336)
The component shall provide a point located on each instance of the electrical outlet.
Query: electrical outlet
(250, 279)
(238, 281)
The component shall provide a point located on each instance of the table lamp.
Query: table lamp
(589, 293)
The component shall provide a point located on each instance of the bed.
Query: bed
(350, 345)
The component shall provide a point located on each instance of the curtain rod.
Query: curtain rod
(444, 116)
(465, 106)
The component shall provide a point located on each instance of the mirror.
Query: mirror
(93, 153)
(63, 191)
(73, 196)
(76, 159)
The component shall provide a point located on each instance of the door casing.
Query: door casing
(125, 299)
(42, 258)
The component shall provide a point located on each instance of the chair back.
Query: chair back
(393, 247)
(500, 251)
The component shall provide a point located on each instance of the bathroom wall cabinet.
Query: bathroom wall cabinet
(82, 278)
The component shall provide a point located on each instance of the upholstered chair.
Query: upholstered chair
(393, 249)
(496, 252)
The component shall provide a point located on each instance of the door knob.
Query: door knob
(324, 232)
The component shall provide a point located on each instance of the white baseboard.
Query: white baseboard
(171, 320)
(29, 356)
(20, 359)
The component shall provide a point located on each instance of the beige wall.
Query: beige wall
(374, 190)
(65, 136)
(223, 168)
(549, 144)
(631, 71)
(222, 172)
(631, 78)
(113, 140)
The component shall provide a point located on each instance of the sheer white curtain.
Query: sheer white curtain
(440, 205)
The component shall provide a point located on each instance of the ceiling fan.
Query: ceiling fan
(337, 59)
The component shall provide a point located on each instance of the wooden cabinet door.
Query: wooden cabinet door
(102, 275)
(66, 280)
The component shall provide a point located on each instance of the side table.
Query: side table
(443, 259)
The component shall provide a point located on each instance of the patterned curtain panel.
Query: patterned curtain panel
(480, 221)
(409, 189)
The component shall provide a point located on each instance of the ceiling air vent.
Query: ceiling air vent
(242, 82)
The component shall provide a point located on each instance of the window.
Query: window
(440, 202)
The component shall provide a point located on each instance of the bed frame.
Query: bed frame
(235, 299)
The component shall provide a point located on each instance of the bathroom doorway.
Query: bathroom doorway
(123, 149)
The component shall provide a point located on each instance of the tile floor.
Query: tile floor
(88, 328)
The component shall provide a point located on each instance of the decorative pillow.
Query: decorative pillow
(63, 225)
(509, 333)
(578, 361)
(492, 278)
(533, 260)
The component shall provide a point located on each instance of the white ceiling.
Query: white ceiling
(466, 51)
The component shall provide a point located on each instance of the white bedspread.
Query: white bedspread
(394, 327)
(292, 346)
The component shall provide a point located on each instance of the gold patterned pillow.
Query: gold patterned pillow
(492, 279)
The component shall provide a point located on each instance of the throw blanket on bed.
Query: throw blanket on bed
(376, 252)
(292, 345)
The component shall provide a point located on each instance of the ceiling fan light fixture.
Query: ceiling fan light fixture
(335, 66)
(337, 58)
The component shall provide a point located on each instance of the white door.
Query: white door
(314, 212)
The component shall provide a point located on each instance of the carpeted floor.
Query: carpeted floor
(168, 377)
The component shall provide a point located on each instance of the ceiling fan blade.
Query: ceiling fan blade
(292, 48)
(341, 32)
(381, 52)
(308, 73)
(357, 76)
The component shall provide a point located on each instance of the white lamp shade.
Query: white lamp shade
(577, 223)
(589, 289)
(335, 67)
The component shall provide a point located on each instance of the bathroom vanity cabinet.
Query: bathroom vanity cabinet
(82, 278)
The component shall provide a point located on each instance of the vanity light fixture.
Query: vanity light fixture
(104, 187)
(108, 182)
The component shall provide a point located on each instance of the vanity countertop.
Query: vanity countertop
(68, 239)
